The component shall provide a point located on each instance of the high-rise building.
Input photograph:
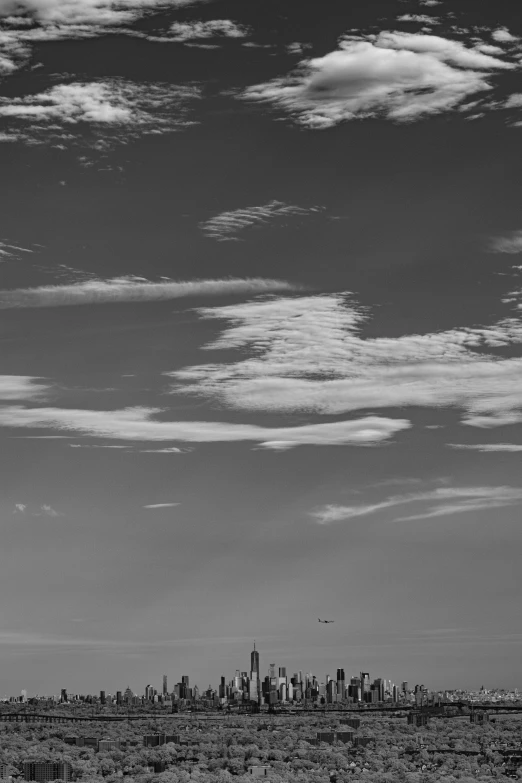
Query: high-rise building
(43, 771)
(165, 688)
(63, 697)
(365, 682)
(118, 698)
(272, 670)
(282, 671)
(185, 680)
(103, 700)
(254, 661)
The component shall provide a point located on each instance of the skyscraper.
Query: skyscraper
(271, 670)
(254, 661)
(165, 690)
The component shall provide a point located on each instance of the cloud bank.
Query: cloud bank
(215, 28)
(133, 289)
(305, 353)
(138, 424)
(396, 75)
(120, 109)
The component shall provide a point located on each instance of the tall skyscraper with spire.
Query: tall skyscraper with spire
(254, 661)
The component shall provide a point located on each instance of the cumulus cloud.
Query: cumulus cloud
(444, 501)
(138, 424)
(306, 353)
(397, 75)
(227, 225)
(502, 35)
(133, 289)
(19, 508)
(47, 511)
(119, 109)
(512, 243)
(215, 28)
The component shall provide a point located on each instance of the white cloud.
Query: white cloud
(445, 501)
(400, 76)
(89, 12)
(190, 31)
(47, 511)
(161, 505)
(19, 508)
(227, 225)
(11, 251)
(306, 353)
(169, 450)
(514, 102)
(419, 18)
(502, 35)
(123, 109)
(132, 289)
(487, 447)
(138, 424)
(508, 244)
(20, 387)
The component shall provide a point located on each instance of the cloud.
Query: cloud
(120, 110)
(20, 387)
(502, 35)
(419, 18)
(446, 500)
(133, 289)
(19, 508)
(95, 12)
(6, 250)
(512, 243)
(227, 225)
(162, 505)
(190, 31)
(47, 511)
(399, 76)
(487, 447)
(169, 450)
(26, 22)
(138, 424)
(305, 353)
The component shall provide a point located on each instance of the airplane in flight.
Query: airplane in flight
(325, 621)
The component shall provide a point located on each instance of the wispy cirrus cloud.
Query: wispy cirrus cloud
(161, 505)
(487, 447)
(134, 289)
(396, 75)
(139, 424)
(306, 353)
(511, 243)
(12, 251)
(227, 225)
(120, 110)
(443, 501)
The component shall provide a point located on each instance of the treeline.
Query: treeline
(215, 754)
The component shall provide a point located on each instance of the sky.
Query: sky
(260, 339)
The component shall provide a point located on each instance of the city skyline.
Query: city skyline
(260, 340)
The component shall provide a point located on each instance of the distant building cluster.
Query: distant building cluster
(275, 688)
